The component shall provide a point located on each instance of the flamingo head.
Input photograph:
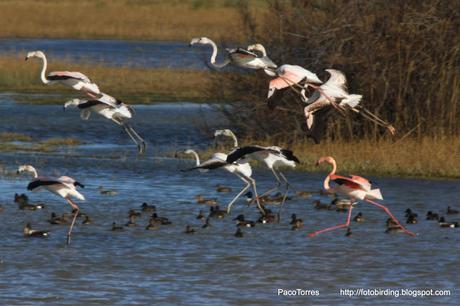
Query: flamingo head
(26, 168)
(224, 132)
(327, 159)
(200, 40)
(37, 53)
(257, 47)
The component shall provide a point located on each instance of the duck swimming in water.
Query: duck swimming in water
(451, 211)
(443, 223)
(148, 208)
(29, 232)
(201, 215)
(107, 192)
(116, 227)
(201, 200)
(359, 217)
(242, 222)
(189, 230)
(152, 225)
(220, 188)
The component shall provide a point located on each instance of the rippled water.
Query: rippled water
(166, 266)
(115, 52)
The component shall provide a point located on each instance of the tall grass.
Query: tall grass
(403, 56)
(123, 19)
(136, 84)
(427, 157)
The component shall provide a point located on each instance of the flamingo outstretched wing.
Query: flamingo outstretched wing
(65, 75)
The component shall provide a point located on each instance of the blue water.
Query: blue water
(176, 55)
(166, 266)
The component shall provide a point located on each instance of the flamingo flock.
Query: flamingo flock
(283, 78)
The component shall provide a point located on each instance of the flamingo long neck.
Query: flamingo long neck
(235, 140)
(34, 172)
(262, 50)
(214, 55)
(196, 157)
(326, 185)
(43, 73)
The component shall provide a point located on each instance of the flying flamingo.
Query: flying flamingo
(270, 64)
(290, 76)
(110, 108)
(356, 188)
(76, 80)
(273, 157)
(239, 57)
(63, 186)
(334, 92)
(242, 170)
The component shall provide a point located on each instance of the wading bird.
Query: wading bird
(273, 157)
(239, 57)
(242, 170)
(334, 92)
(76, 80)
(110, 108)
(63, 186)
(356, 188)
(197, 158)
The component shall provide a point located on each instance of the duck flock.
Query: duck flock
(347, 190)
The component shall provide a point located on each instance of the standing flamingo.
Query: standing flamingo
(110, 108)
(76, 80)
(239, 57)
(334, 92)
(242, 170)
(356, 188)
(63, 186)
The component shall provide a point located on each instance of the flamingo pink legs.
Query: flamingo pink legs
(392, 217)
(76, 212)
(334, 227)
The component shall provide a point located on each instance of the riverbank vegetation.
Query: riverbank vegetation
(122, 19)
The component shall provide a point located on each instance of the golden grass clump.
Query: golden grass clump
(9, 137)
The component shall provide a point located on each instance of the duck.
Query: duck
(359, 217)
(201, 215)
(116, 227)
(269, 217)
(148, 208)
(161, 220)
(294, 219)
(318, 205)
(341, 204)
(298, 224)
(107, 192)
(408, 212)
(21, 198)
(152, 225)
(348, 233)
(304, 194)
(26, 206)
(220, 188)
(216, 212)
(55, 219)
(243, 222)
(451, 211)
(189, 230)
(132, 221)
(392, 227)
(432, 216)
(86, 220)
(412, 219)
(133, 212)
(201, 200)
(207, 223)
(238, 233)
(29, 232)
(443, 223)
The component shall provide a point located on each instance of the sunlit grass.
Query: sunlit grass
(122, 19)
(428, 157)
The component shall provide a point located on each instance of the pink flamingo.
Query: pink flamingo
(290, 76)
(356, 188)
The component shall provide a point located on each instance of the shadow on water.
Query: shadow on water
(210, 266)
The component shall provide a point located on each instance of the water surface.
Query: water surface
(166, 266)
